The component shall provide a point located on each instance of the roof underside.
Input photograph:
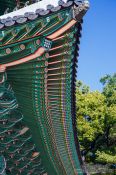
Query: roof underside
(38, 53)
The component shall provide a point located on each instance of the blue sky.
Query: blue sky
(98, 43)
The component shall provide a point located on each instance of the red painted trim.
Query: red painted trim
(37, 53)
(62, 30)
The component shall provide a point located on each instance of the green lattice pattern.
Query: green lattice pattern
(41, 98)
(16, 143)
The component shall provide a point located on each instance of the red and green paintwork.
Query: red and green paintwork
(37, 115)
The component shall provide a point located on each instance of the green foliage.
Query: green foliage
(103, 157)
(109, 88)
(82, 88)
(90, 107)
(96, 120)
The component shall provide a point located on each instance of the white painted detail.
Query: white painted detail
(32, 8)
(87, 4)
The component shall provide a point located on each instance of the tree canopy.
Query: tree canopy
(96, 120)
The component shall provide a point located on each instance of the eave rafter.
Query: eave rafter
(40, 58)
(78, 11)
(27, 31)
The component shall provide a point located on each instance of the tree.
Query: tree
(109, 88)
(96, 119)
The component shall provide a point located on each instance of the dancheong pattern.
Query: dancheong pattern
(38, 61)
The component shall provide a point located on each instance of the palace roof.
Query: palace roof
(39, 48)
